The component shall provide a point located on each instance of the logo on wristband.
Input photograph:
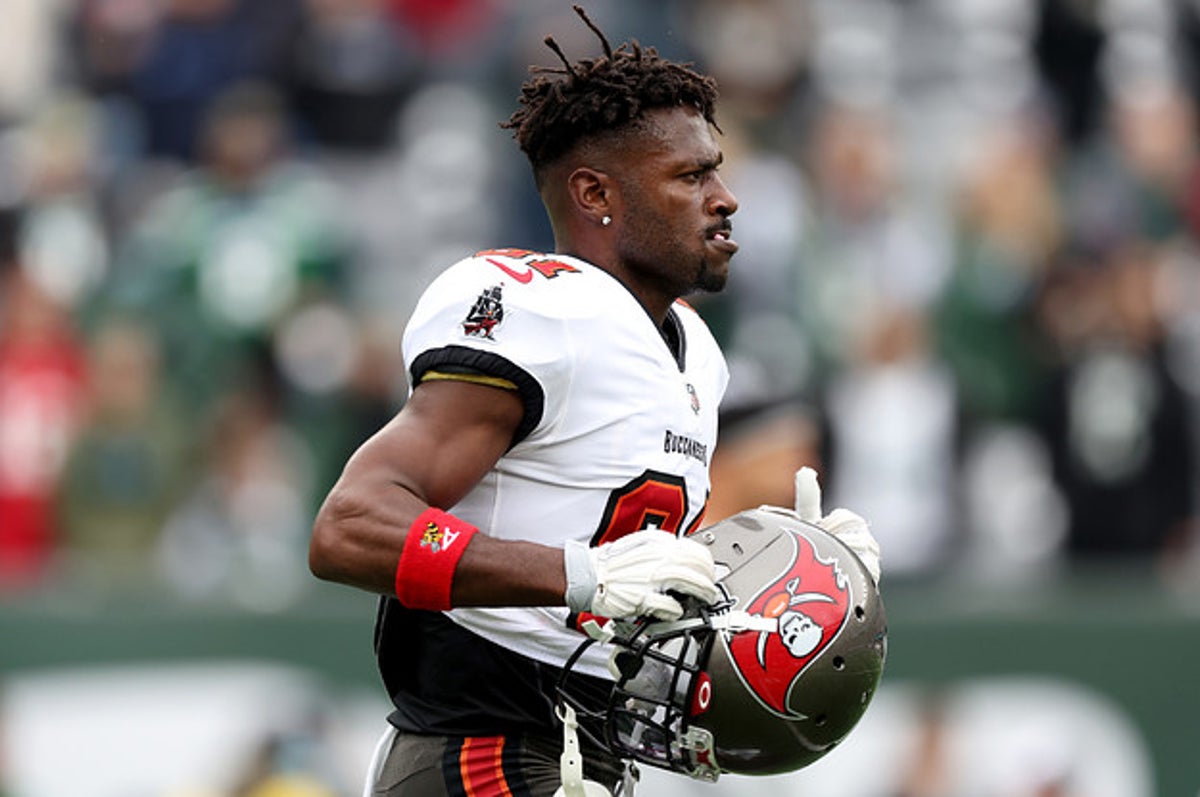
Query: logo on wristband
(436, 538)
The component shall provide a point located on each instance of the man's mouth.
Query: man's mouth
(722, 238)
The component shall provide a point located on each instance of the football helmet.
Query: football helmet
(768, 680)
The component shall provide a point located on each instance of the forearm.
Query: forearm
(509, 573)
(357, 538)
(360, 533)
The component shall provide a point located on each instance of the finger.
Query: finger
(692, 565)
(703, 589)
(842, 520)
(662, 607)
(808, 495)
(693, 554)
(685, 574)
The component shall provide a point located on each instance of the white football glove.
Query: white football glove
(629, 577)
(849, 528)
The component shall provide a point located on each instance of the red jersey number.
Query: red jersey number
(652, 500)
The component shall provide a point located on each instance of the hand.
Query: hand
(849, 528)
(629, 577)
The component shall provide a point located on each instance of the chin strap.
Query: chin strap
(571, 761)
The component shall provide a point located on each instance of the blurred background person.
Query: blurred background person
(352, 69)
(232, 246)
(159, 65)
(767, 434)
(129, 465)
(1118, 424)
(42, 384)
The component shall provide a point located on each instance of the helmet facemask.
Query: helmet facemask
(660, 685)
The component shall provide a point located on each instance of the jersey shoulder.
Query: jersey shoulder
(527, 271)
(548, 285)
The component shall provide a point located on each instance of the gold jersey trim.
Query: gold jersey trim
(475, 379)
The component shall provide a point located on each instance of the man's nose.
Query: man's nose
(724, 203)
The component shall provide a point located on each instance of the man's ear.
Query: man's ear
(592, 192)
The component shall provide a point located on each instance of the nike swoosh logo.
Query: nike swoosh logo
(521, 278)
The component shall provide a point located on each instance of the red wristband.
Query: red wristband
(436, 541)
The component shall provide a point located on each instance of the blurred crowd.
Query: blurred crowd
(968, 288)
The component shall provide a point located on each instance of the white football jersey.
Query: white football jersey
(619, 428)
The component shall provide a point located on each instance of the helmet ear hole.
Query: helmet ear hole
(859, 613)
(838, 663)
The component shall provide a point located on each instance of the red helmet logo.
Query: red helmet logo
(811, 600)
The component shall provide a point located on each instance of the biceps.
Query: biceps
(446, 438)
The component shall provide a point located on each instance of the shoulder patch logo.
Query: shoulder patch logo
(485, 315)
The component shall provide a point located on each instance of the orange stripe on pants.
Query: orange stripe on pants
(481, 766)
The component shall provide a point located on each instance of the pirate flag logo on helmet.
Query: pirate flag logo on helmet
(811, 600)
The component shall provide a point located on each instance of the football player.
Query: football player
(553, 454)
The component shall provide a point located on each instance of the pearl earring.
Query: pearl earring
(607, 220)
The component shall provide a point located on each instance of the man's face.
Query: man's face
(675, 233)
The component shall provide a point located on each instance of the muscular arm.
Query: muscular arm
(432, 453)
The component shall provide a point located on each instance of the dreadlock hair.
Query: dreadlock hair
(600, 95)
